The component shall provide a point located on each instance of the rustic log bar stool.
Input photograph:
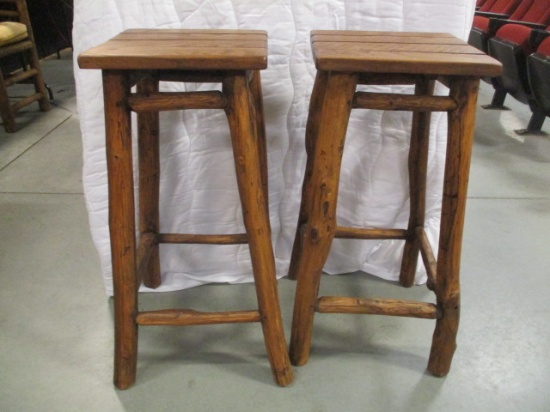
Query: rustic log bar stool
(143, 58)
(345, 59)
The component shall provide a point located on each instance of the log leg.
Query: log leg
(457, 167)
(149, 180)
(256, 220)
(330, 109)
(257, 105)
(312, 127)
(418, 165)
(121, 224)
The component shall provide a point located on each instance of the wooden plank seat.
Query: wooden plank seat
(345, 59)
(144, 58)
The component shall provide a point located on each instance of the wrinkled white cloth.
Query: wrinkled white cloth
(198, 187)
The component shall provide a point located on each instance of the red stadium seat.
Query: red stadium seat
(511, 45)
(538, 68)
(492, 9)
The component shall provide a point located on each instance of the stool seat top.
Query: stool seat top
(399, 52)
(178, 49)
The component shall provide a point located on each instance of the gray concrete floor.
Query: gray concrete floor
(56, 322)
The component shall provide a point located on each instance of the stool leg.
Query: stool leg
(257, 105)
(312, 128)
(121, 224)
(457, 168)
(149, 180)
(326, 131)
(256, 220)
(418, 166)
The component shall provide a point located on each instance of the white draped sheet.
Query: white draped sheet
(198, 187)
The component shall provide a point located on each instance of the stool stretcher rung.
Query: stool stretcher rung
(187, 317)
(343, 232)
(387, 307)
(238, 238)
(392, 79)
(190, 76)
(390, 101)
(155, 102)
(427, 256)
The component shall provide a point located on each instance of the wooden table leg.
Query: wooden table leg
(329, 110)
(149, 180)
(457, 168)
(121, 223)
(256, 220)
(418, 170)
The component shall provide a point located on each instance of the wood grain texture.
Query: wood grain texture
(121, 224)
(143, 58)
(248, 168)
(179, 49)
(187, 317)
(386, 307)
(149, 182)
(330, 108)
(394, 52)
(384, 58)
(418, 173)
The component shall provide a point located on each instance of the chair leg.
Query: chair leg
(330, 108)
(256, 220)
(457, 168)
(149, 181)
(38, 79)
(418, 167)
(121, 225)
(8, 116)
(535, 122)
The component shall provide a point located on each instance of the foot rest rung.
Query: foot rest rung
(388, 307)
(188, 317)
(389, 101)
(364, 233)
(233, 239)
(155, 102)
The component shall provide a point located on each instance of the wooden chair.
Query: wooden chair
(345, 59)
(16, 39)
(143, 58)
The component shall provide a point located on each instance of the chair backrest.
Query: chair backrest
(486, 6)
(538, 12)
(502, 6)
(522, 9)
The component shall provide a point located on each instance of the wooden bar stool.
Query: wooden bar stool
(345, 59)
(143, 58)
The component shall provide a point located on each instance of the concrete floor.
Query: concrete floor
(56, 322)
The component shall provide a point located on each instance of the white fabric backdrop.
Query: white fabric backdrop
(198, 188)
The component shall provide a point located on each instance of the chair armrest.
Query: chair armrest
(495, 24)
(489, 15)
(536, 38)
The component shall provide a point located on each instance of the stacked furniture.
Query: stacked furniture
(513, 42)
(16, 39)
